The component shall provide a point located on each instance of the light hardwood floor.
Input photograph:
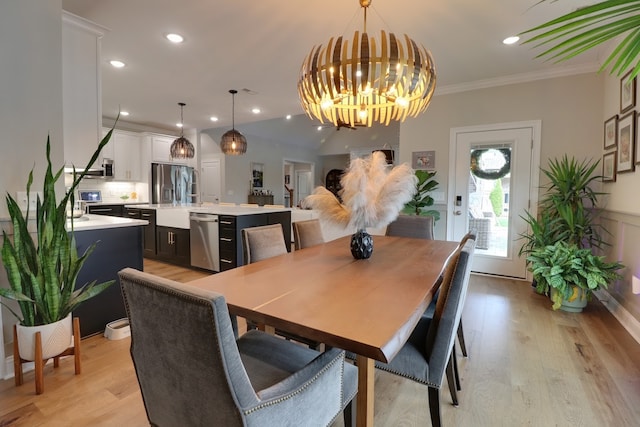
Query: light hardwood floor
(528, 366)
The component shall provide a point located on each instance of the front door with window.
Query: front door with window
(493, 180)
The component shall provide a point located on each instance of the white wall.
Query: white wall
(570, 109)
(622, 219)
(31, 107)
(236, 169)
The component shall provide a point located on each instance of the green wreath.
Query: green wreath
(492, 173)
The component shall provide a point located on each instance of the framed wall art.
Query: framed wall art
(257, 176)
(425, 160)
(609, 167)
(611, 132)
(637, 145)
(627, 93)
(626, 142)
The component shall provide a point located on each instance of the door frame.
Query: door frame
(290, 161)
(534, 178)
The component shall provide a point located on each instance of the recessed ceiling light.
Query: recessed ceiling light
(319, 128)
(511, 40)
(116, 63)
(124, 113)
(213, 118)
(255, 110)
(174, 38)
(179, 125)
(288, 117)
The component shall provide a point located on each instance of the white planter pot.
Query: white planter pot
(55, 337)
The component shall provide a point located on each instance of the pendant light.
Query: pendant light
(373, 80)
(233, 142)
(181, 148)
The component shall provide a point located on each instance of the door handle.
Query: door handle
(457, 213)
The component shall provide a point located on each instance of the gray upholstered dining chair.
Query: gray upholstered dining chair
(263, 242)
(427, 356)
(193, 372)
(307, 233)
(420, 227)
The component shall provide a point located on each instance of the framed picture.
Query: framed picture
(609, 167)
(637, 145)
(611, 132)
(257, 176)
(423, 160)
(626, 142)
(627, 93)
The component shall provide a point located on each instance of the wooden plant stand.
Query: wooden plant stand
(39, 362)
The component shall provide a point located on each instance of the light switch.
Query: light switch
(635, 284)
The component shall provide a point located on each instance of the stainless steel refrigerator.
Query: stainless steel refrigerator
(174, 184)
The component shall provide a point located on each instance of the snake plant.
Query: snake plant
(42, 272)
(585, 28)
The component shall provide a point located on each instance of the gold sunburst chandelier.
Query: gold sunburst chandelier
(369, 81)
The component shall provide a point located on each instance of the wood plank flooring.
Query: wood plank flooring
(528, 366)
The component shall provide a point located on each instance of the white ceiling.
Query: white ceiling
(260, 45)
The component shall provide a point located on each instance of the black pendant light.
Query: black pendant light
(181, 148)
(233, 142)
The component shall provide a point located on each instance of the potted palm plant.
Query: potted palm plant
(571, 274)
(567, 209)
(566, 232)
(42, 270)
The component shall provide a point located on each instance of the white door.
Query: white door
(303, 185)
(210, 181)
(494, 179)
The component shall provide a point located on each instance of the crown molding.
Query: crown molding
(519, 78)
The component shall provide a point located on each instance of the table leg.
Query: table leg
(366, 378)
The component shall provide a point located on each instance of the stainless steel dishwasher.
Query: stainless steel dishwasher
(204, 241)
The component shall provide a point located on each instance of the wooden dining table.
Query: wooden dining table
(368, 307)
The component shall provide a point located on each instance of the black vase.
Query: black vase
(361, 245)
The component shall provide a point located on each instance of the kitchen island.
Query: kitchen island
(119, 245)
(173, 227)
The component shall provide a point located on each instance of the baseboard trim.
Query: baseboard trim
(630, 323)
(8, 367)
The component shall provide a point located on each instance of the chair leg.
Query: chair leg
(463, 346)
(434, 406)
(349, 414)
(17, 362)
(456, 372)
(451, 380)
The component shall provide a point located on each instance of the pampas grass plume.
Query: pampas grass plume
(372, 194)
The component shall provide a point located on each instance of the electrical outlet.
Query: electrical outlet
(635, 284)
(21, 198)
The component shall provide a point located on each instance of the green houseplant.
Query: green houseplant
(567, 208)
(42, 272)
(571, 273)
(585, 28)
(422, 199)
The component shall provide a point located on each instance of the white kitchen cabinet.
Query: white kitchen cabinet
(81, 95)
(156, 148)
(126, 156)
(160, 149)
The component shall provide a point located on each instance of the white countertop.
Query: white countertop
(177, 216)
(212, 208)
(98, 222)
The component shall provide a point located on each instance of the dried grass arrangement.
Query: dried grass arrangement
(372, 194)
